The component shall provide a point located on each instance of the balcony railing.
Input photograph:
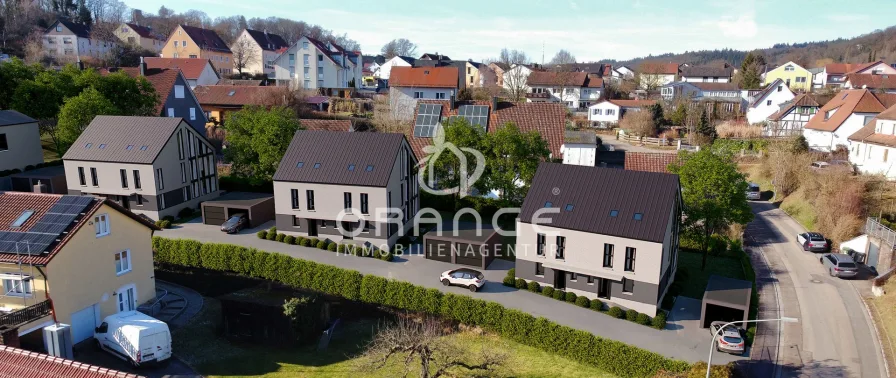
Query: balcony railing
(26, 315)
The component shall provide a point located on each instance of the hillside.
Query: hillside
(879, 44)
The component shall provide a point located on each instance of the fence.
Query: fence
(659, 142)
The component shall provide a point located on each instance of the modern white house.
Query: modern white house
(259, 49)
(768, 101)
(608, 113)
(843, 116)
(515, 77)
(791, 117)
(575, 90)
(385, 70)
(19, 141)
(313, 64)
(652, 75)
(68, 41)
(873, 148)
(410, 84)
(579, 148)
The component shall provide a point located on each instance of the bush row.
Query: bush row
(9, 172)
(612, 356)
(658, 322)
(327, 245)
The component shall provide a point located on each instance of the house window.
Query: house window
(611, 112)
(347, 201)
(184, 43)
(418, 94)
(320, 73)
(171, 112)
(768, 103)
(788, 68)
(4, 144)
(124, 178)
(309, 197)
(539, 242)
(628, 285)
(364, 206)
(183, 172)
(17, 285)
(781, 87)
(127, 300)
(320, 58)
(561, 247)
(306, 59)
(307, 71)
(597, 111)
(176, 43)
(59, 28)
(630, 259)
(81, 177)
(178, 91)
(608, 256)
(122, 263)
(101, 225)
(94, 178)
(192, 114)
(137, 179)
(539, 269)
(573, 276)
(294, 194)
(590, 280)
(305, 45)
(160, 181)
(440, 95)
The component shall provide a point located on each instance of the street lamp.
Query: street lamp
(716, 334)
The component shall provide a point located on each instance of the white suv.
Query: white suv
(468, 278)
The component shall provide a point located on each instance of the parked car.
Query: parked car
(819, 165)
(753, 191)
(729, 340)
(465, 277)
(839, 265)
(236, 223)
(134, 337)
(812, 241)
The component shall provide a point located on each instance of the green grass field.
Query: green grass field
(696, 283)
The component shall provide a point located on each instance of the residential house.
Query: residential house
(515, 77)
(192, 42)
(218, 100)
(769, 101)
(707, 74)
(468, 71)
(20, 144)
(142, 36)
(723, 99)
(652, 75)
(492, 74)
(835, 73)
(197, 71)
(880, 83)
(623, 73)
(792, 75)
(679, 90)
(608, 113)
(94, 256)
(261, 49)
(600, 69)
(436, 57)
(792, 116)
(25, 363)
(546, 119)
(873, 147)
(242, 82)
(575, 90)
(323, 66)
(620, 247)
(175, 97)
(649, 161)
(579, 148)
(410, 84)
(385, 70)
(843, 116)
(817, 77)
(152, 166)
(67, 42)
(345, 187)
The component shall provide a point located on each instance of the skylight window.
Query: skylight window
(548, 204)
(569, 207)
(844, 96)
(316, 165)
(638, 216)
(614, 213)
(351, 167)
(369, 168)
(102, 146)
(88, 145)
(22, 218)
(300, 164)
(143, 148)
(231, 93)
(129, 147)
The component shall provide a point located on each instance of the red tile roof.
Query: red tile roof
(871, 81)
(327, 124)
(844, 68)
(161, 79)
(232, 95)
(632, 103)
(574, 79)
(859, 67)
(423, 77)
(19, 363)
(658, 68)
(801, 99)
(649, 161)
(846, 103)
(191, 67)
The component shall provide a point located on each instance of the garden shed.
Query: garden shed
(466, 244)
(258, 206)
(725, 299)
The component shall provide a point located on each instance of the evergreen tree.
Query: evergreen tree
(705, 128)
(750, 74)
(84, 15)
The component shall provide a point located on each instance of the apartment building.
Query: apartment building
(192, 42)
(408, 85)
(314, 64)
(142, 36)
(259, 49)
(67, 42)
(873, 147)
(575, 90)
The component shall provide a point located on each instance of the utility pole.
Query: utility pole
(542, 53)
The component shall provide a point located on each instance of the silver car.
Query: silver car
(729, 340)
(839, 265)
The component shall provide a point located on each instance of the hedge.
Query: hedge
(611, 356)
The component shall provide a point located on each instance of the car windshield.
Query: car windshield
(732, 340)
(754, 188)
(846, 265)
(816, 237)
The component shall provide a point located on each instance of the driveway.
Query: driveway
(420, 271)
(834, 336)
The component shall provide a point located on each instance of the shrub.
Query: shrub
(272, 233)
(387, 256)
(289, 239)
(186, 212)
(511, 273)
(331, 247)
(615, 312)
(168, 218)
(533, 286)
(340, 248)
(583, 302)
(262, 234)
(559, 294)
(631, 315)
(166, 224)
(570, 297)
(281, 237)
(304, 242)
(547, 291)
(659, 321)
(642, 319)
(321, 244)
(521, 283)
(596, 305)
(509, 281)
(313, 242)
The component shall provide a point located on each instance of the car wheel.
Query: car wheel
(97, 344)
(831, 272)
(805, 247)
(821, 260)
(473, 288)
(445, 282)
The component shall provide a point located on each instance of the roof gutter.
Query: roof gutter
(47, 293)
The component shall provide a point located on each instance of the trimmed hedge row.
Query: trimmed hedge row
(609, 355)
(658, 322)
(325, 245)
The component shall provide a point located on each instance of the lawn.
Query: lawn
(800, 209)
(50, 153)
(199, 345)
(885, 319)
(696, 283)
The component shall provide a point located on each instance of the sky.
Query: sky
(591, 29)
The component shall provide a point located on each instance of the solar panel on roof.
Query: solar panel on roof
(428, 117)
(476, 115)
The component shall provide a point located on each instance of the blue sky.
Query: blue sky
(590, 29)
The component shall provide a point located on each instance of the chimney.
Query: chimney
(40, 187)
(142, 67)
(452, 102)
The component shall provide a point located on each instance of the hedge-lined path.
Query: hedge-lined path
(420, 271)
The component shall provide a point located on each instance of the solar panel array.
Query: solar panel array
(476, 115)
(428, 117)
(45, 232)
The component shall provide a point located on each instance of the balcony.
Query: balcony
(26, 315)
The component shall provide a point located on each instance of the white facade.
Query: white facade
(705, 79)
(821, 140)
(303, 65)
(516, 78)
(262, 61)
(604, 114)
(658, 80)
(386, 69)
(769, 103)
(208, 77)
(623, 72)
(579, 154)
(572, 97)
(403, 100)
(61, 43)
(876, 159)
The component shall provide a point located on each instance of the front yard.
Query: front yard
(694, 286)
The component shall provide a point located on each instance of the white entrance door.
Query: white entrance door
(127, 299)
(83, 324)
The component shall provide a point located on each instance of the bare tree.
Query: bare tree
(386, 121)
(244, 54)
(423, 344)
(650, 75)
(511, 57)
(516, 74)
(399, 47)
(564, 87)
(563, 57)
(639, 123)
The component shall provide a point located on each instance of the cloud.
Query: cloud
(573, 5)
(744, 26)
(847, 17)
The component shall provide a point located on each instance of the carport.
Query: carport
(725, 299)
(466, 244)
(258, 206)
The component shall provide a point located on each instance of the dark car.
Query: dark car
(812, 241)
(236, 223)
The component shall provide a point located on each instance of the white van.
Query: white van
(134, 337)
(753, 191)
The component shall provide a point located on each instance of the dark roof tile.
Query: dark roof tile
(267, 41)
(119, 132)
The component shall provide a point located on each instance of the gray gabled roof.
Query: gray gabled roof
(594, 192)
(12, 117)
(335, 151)
(108, 138)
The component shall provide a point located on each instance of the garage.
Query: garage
(258, 206)
(84, 323)
(466, 244)
(725, 299)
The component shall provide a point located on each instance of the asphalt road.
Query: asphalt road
(834, 336)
